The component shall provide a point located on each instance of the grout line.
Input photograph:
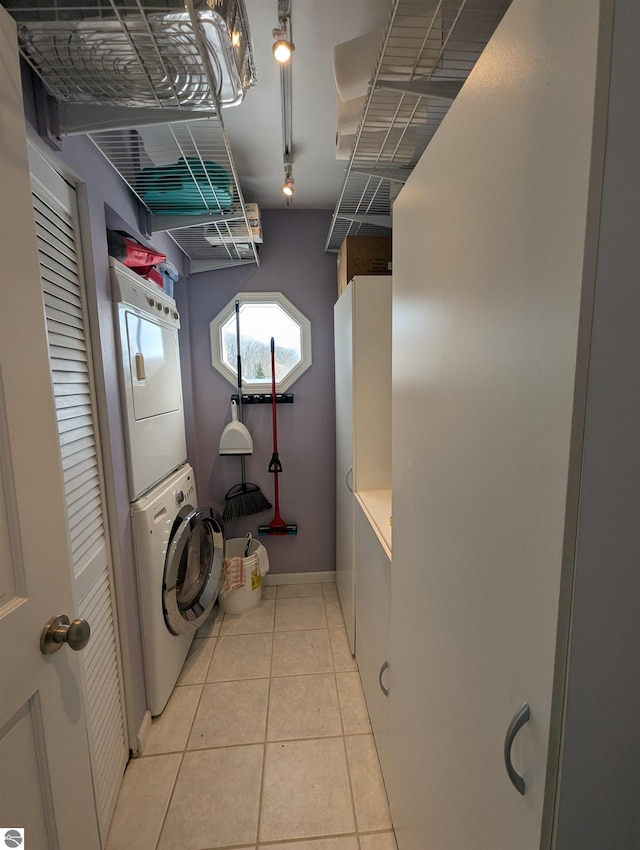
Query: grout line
(266, 728)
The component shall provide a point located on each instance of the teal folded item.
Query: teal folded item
(188, 187)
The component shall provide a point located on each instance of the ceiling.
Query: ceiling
(255, 127)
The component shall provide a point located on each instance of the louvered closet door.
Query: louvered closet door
(56, 214)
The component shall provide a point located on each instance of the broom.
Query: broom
(243, 499)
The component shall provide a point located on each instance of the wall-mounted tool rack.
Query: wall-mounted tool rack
(428, 50)
(264, 398)
(146, 80)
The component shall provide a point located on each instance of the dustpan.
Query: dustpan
(235, 439)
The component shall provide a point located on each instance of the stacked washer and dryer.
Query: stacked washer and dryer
(179, 546)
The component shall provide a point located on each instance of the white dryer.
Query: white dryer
(179, 551)
(151, 385)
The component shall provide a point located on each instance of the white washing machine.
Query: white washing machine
(179, 551)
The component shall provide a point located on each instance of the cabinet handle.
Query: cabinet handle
(521, 717)
(384, 667)
(349, 485)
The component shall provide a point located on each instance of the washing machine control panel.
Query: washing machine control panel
(184, 494)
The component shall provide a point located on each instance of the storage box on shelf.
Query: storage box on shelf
(363, 255)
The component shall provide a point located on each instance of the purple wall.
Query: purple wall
(292, 261)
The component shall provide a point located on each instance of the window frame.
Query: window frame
(228, 311)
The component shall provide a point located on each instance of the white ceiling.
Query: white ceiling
(255, 127)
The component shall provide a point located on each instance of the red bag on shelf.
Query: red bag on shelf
(132, 254)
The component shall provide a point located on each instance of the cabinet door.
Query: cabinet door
(489, 271)
(343, 334)
(373, 578)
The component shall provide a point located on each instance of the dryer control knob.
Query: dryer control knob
(179, 497)
(159, 306)
(152, 303)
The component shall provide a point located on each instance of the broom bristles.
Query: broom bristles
(244, 500)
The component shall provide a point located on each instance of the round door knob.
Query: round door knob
(59, 631)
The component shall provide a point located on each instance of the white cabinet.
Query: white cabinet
(505, 330)
(362, 326)
(372, 557)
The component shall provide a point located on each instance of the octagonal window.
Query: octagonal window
(261, 315)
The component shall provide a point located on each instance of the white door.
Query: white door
(489, 268)
(45, 782)
(56, 214)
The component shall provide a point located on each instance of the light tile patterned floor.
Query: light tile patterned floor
(265, 742)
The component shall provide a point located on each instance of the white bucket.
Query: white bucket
(245, 598)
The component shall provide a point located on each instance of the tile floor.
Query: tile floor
(265, 742)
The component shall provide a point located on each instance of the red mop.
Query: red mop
(278, 525)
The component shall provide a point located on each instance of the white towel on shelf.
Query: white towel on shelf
(232, 574)
(263, 560)
(354, 63)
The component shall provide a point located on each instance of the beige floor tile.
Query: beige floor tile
(291, 591)
(142, 803)
(329, 588)
(241, 657)
(370, 799)
(211, 626)
(305, 612)
(253, 622)
(170, 730)
(379, 841)
(343, 660)
(231, 713)
(194, 671)
(216, 798)
(303, 707)
(355, 717)
(333, 611)
(343, 842)
(295, 653)
(269, 591)
(306, 790)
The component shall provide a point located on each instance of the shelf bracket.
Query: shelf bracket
(397, 175)
(424, 87)
(377, 220)
(74, 118)
(161, 223)
(211, 265)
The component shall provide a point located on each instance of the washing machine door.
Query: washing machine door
(192, 570)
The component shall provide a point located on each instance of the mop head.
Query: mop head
(244, 500)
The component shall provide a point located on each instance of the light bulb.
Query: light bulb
(282, 50)
(288, 187)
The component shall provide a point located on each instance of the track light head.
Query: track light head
(282, 47)
(288, 187)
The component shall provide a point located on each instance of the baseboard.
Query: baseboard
(299, 578)
(143, 733)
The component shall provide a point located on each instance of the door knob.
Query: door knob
(59, 630)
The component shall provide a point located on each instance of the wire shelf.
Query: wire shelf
(139, 77)
(137, 53)
(432, 47)
(181, 172)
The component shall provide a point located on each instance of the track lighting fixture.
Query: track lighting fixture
(282, 46)
(288, 187)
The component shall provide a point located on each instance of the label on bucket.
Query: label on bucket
(256, 579)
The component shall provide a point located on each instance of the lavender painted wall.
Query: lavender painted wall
(292, 261)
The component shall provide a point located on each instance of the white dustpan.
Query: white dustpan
(235, 439)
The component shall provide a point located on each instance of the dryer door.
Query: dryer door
(192, 570)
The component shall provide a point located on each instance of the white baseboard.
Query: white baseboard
(299, 578)
(143, 733)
